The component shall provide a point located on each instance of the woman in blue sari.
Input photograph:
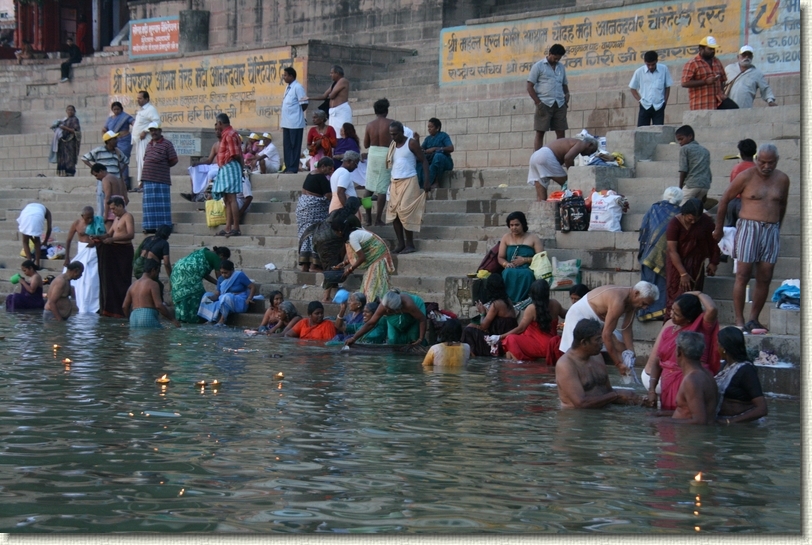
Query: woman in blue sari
(121, 122)
(653, 249)
(437, 147)
(348, 142)
(516, 251)
(234, 291)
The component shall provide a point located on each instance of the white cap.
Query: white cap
(154, 125)
(746, 49)
(108, 135)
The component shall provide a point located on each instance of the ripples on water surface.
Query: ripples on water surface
(350, 443)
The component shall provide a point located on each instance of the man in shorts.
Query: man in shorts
(548, 87)
(764, 192)
(550, 162)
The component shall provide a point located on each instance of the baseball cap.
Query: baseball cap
(154, 125)
(108, 135)
(746, 49)
(709, 41)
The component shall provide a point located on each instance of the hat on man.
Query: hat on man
(108, 135)
(154, 125)
(267, 136)
(253, 136)
(709, 41)
(746, 49)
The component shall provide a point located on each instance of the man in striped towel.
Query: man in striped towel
(229, 178)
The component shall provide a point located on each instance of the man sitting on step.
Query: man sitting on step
(549, 163)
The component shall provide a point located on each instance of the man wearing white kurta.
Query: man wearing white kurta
(146, 115)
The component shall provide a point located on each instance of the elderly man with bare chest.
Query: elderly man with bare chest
(115, 250)
(550, 162)
(697, 395)
(764, 192)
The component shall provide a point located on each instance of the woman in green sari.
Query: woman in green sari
(405, 316)
(187, 280)
(377, 335)
(516, 251)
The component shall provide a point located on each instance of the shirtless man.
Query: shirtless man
(764, 191)
(608, 304)
(338, 93)
(581, 373)
(111, 185)
(115, 251)
(551, 161)
(696, 398)
(143, 301)
(376, 142)
(58, 306)
(77, 228)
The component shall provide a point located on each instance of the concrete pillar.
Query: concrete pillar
(193, 31)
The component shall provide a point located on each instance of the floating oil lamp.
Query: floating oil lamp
(162, 380)
(56, 346)
(698, 485)
(279, 376)
(200, 383)
(67, 361)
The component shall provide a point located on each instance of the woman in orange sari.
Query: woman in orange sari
(321, 139)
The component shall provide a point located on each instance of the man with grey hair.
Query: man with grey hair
(406, 322)
(608, 304)
(745, 80)
(337, 94)
(549, 163)
(696, 397)
(764, 193)
(342, 186)
(407, 201)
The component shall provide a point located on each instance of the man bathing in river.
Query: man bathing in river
(58, 306)
(697, 395)
(143, 300)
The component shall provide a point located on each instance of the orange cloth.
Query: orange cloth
(322, 332)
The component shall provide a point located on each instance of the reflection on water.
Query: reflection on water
(350, 443)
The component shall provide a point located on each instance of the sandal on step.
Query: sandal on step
(234, 233)
(221, 233)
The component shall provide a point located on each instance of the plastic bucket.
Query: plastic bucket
(15, 279)
(366, 202)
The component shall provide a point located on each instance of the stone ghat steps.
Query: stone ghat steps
(788, 150)
(668, 167)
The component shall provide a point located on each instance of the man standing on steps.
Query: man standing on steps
(110, 187)
(704, 77)
(744, 79)
(146, 115)
(550, 162)
(229, 178)
(292, 120)
(547, 85)
(376, 142)
(764, 193)
(113, 160)
(651, 86)
(338, 94)
(407, 201)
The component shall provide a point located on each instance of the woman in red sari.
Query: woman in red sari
(693, 311)
(321, 139)
(690, 243)
(532, 338)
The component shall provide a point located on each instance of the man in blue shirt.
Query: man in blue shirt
(651, 86)
(292, 120)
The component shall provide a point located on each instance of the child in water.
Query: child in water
(273, 314)
(450, 352)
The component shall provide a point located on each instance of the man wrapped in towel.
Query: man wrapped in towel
(115, 251)
(86, 287)
(406, 201)
(159, 157)
(228, 182)
(376, 141)
(234, 292)
(34, 224)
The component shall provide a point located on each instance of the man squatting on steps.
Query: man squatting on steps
(407, 201)
(549, 163)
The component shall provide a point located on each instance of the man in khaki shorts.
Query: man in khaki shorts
(547, 85)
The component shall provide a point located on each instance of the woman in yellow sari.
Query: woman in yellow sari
(368, 252)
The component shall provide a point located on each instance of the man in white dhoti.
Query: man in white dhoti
(146, 114)
(549, 163)
(34, 221)
(338, 94)
(86, 287)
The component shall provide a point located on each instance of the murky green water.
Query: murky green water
(351, 443)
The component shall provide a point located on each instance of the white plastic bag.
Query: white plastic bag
(606, 212)
(565, 273)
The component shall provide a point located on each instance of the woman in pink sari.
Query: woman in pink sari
(692, 311)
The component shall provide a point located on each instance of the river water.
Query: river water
(354, 442)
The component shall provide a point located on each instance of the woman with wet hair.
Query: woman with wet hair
(499, 318)
(314, 327)
(741, 398)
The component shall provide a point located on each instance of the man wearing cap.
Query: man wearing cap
(159, 157)
(651, 86)
(266, 161)
(744, 79)
(704, 77)
(111, 157)
(228, 182)
(146, 114)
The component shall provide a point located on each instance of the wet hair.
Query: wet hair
(273, 294)
(338, 70)
(557, 49)
(732, 340)
(76, 266)
(685, 130)
(690, 305)
(117, 103)
(517, 216)
(87, 209)
(397, 125)
(115, 199)
(647, 290)
(289, 70)
(673, 195)
(28, 264)
(352, 156)
(325, 162)
(747, 148)
(163, 231)
(768, 147)
(98, 167)
(495, 288)
(321, 114)
(223, 118)
(145, 93)
(222, 251)
(381, 107)
(372, 306)
(289, 309)
(691, 344)
(436, 122)
(691, 207)
(450, 332)
(151, 265)
(227, 265)
(650, 56)
(540, 295)
(579, 289)
(360, 297)
(392, 300)
(585, 329)
(313, 306)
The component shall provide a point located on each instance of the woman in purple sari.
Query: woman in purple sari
(348, 142)
(121, 122)
(30, 296)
